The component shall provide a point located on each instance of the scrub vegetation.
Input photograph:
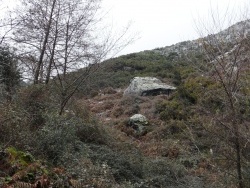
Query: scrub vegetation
(73, 129)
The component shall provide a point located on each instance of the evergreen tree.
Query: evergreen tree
(9, 73)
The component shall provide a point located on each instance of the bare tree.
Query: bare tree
(226, 62)
(45, 41)
(76, 47)
(32, 31)
(61, 36)
(7, 23)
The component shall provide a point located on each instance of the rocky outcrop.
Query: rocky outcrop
(230, 36)
(144, 86)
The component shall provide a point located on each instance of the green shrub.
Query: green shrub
(91, 133)
(162, 173)
(55, 138)
(125, 167)
(14, 126)
(172, 110)
(35, 101)
(202, 90)
(157, 167)
(81, 110)
(187, 95)
(9, 73)
(172, 129)
(62, 134)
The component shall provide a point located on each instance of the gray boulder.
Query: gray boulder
(144, 86)
(138, 122)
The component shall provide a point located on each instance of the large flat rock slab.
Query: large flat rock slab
(143, 86)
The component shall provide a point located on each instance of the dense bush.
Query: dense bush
(202, 90)
(57, 136)
(14, 126)
(10, 75)
(35, 101)
(62, 134)
(125, 167)
(172, 109)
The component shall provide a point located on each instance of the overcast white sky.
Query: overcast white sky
(162, 23)
(165, 22)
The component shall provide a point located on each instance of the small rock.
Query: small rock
(138, 122)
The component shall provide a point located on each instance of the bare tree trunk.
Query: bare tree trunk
(66, 50)
(38, 68)
(238, 157)
(50, 63)
(76, 84)
(51, 57)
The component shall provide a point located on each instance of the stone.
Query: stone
(138, 122)
(144, 86)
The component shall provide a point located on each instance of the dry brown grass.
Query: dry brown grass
(118, 108)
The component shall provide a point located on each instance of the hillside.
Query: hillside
(189, 140)
(165, 63)
(117, 72)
